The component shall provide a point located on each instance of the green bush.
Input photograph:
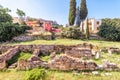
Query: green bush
(35, 74)
(110, 29)
(5, 17)
(8, 30)
(72, 32)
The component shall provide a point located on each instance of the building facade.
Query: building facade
(17, 20)
(93, 25)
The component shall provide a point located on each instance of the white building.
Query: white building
(93, 25)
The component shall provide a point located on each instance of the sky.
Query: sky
(58, 10)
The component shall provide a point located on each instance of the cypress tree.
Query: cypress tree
(87, 31)
(83, 10)
(72, 12)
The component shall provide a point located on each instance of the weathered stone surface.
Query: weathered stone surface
(64, 62)
(27, 64)
(22, 65)
(109, 66)
(113, 50)
(44, 49)
(89, 65)
(9, 54)
(52, 55)
(23, 38)
(34, 58)
(3, 64)
(85, 45)
(79, 53)
(104, 49)
(70, 61)
(3, 49)
(13, 66)
(36, 52)
(26, 48)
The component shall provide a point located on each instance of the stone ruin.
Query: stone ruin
(65, 62)
(7, 56)
(109, 66)
(70, 58)
(111, 50)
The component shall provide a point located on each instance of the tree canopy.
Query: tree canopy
(72, 12)
(83, 10)
(110, 29)
(20, 13)
(4, 16)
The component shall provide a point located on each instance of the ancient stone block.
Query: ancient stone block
(3, 64)
(64, 62)
(52, 55)
(34, 58)
(22, 64)
(113, 50)
(36, 52)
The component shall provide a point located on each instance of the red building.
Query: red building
(47, 25)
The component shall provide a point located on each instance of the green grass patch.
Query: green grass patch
(24, 56)
(35, 74)
(106, 56)
(45, 58)
(56, 75)
(59, 75)
(99, 43)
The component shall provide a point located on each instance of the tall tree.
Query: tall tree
(4, 10)
(87, 30)
(1, 6)
(83, 10)
(21, 14)
(77, 17)
(4, 16)
(72, 12)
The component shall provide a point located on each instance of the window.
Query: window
(97, 28)
(89, 23)
(98, 22)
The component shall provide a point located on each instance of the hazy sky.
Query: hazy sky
(58, 9)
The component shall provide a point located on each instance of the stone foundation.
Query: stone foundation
(70, 59)
(64, 62)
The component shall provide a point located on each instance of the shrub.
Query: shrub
(35, 74)
(72, 32)
(7, 28)
(110, 29)
(5, 17)
(8, 31)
